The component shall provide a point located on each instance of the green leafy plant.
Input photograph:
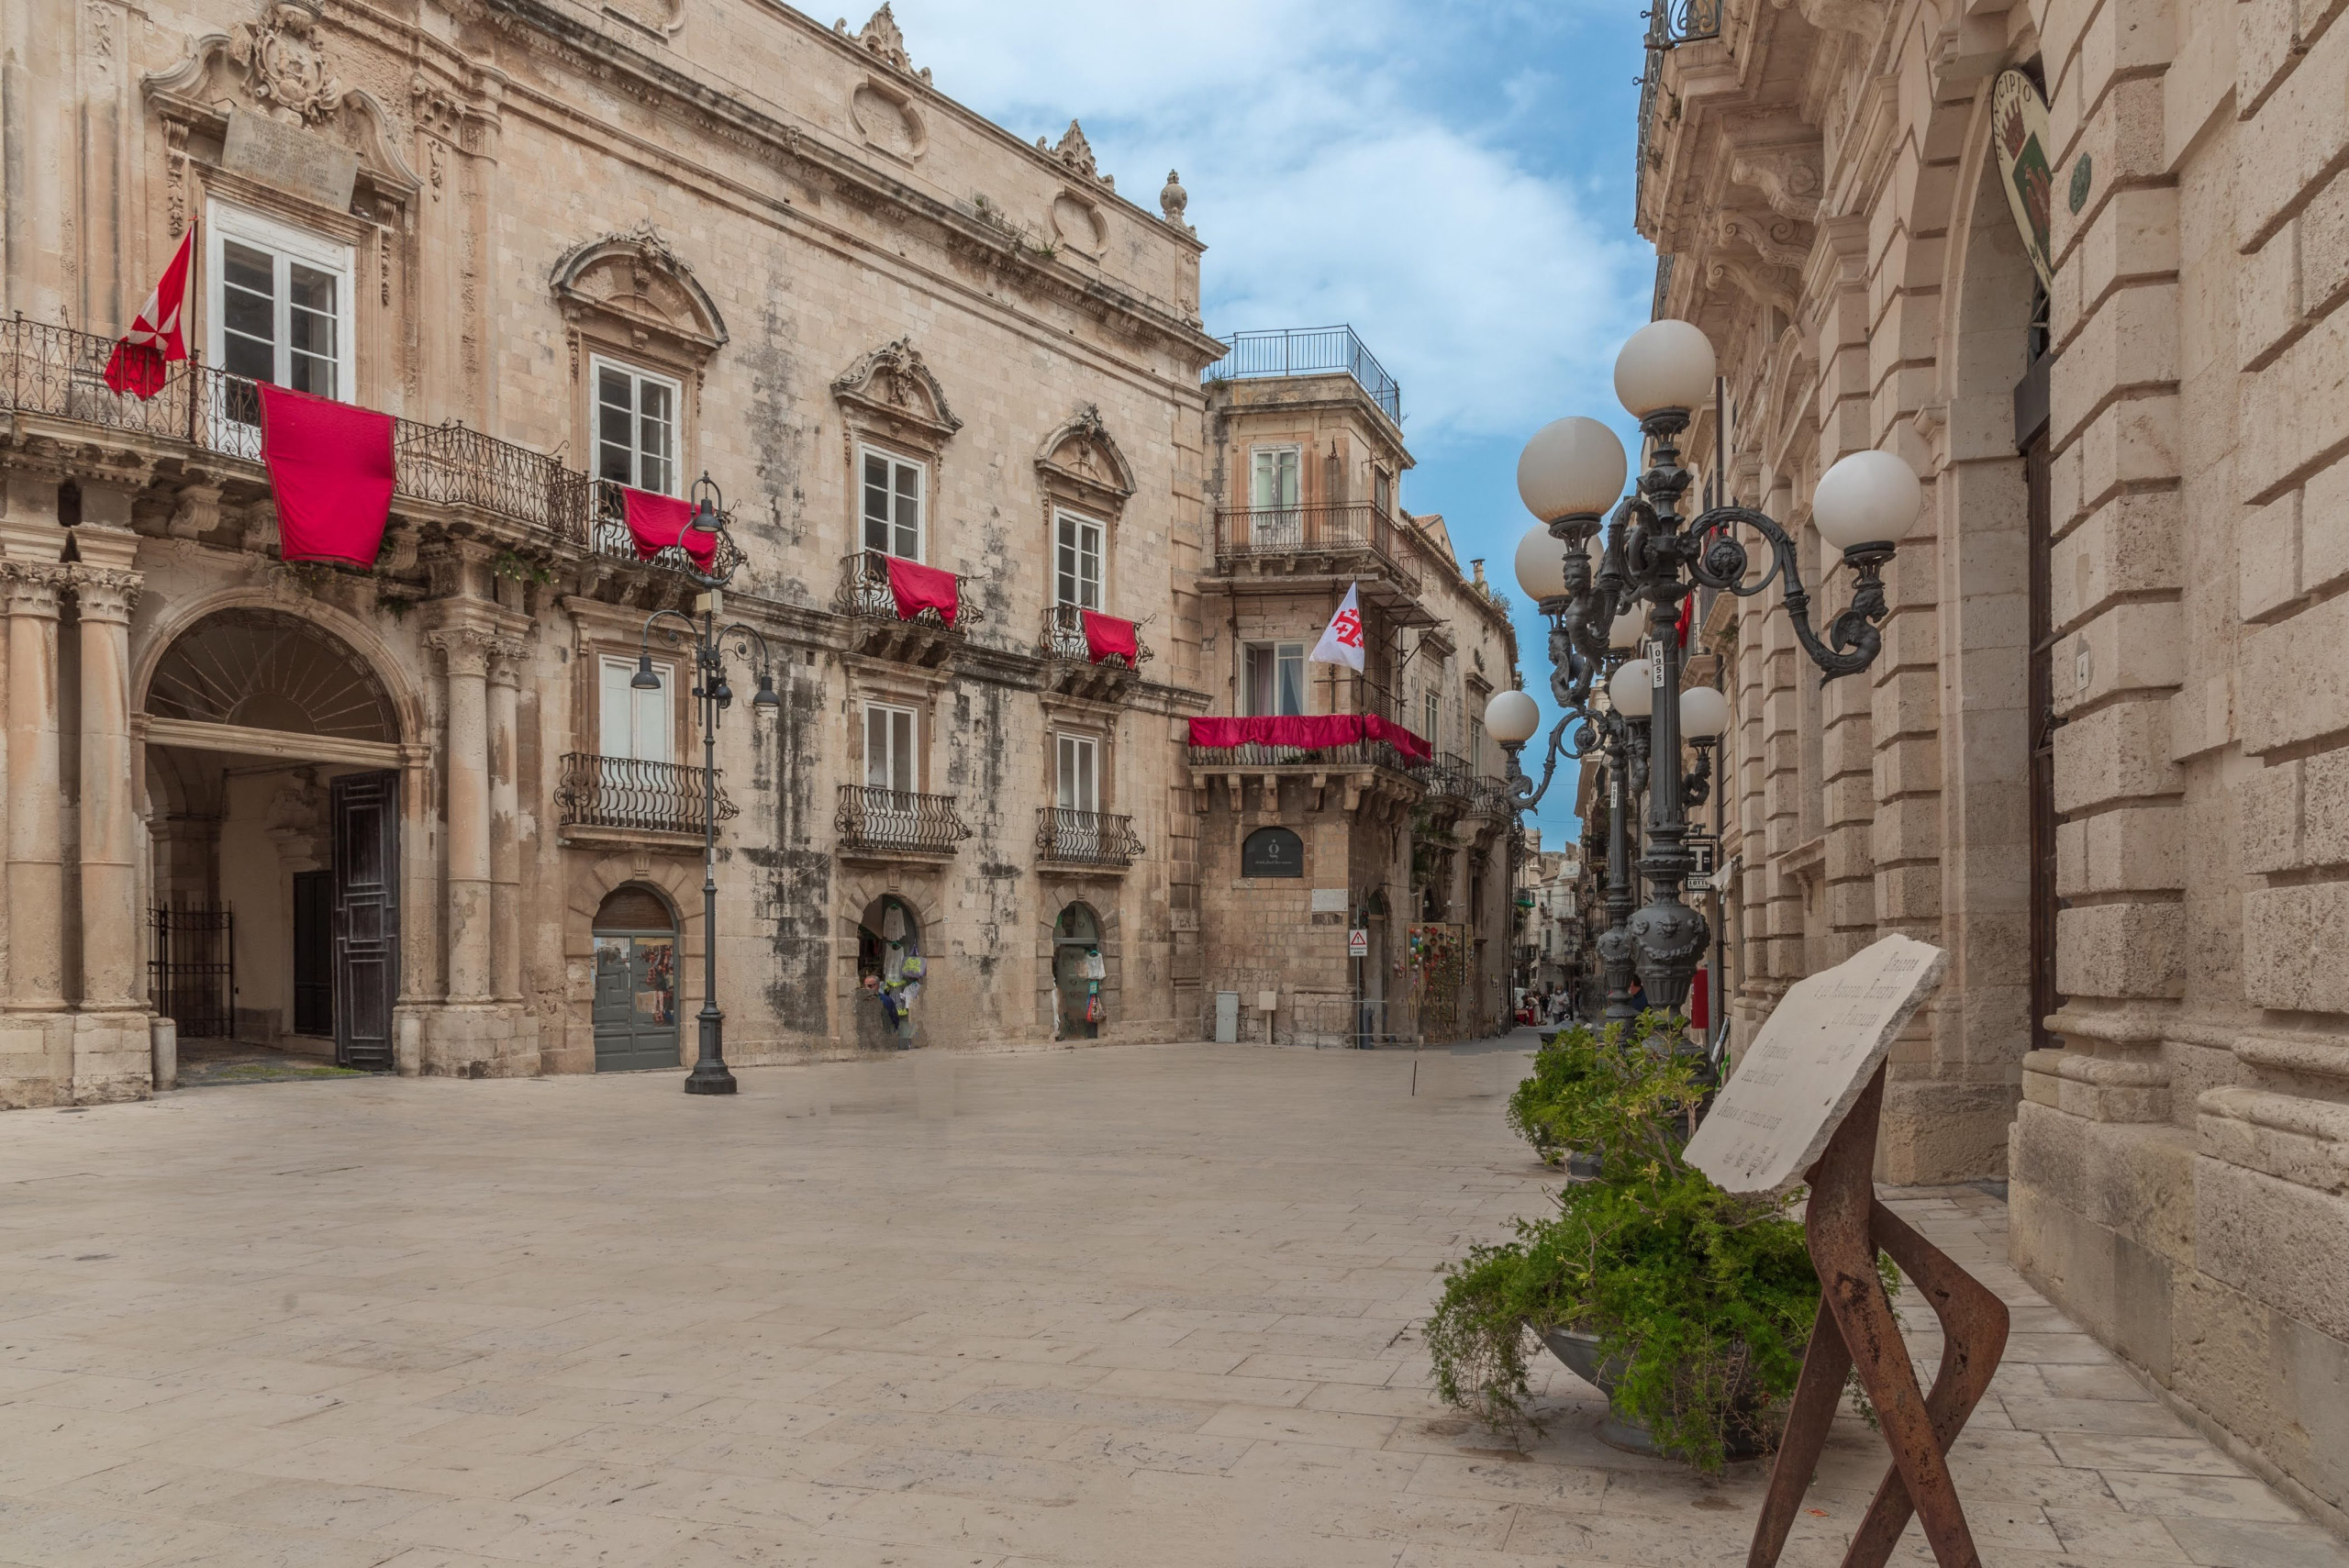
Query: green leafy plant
(520, 568)
(1701, 1299)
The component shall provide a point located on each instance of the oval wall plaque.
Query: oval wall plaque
(2019, 133)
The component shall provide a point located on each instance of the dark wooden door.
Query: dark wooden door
(366, 808)
(2045, 998)
(314, 952)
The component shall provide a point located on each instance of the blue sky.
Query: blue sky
(1452, 179)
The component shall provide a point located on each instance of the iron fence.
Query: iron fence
(191, 968)
(1070, 836)
(1063, 637)
(1351, 754)
(630, 793)
(1359, 526)
(1308, 350)
(893, 820)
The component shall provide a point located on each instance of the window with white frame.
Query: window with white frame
(278, 307)
(633, 723)
(1076, 562)
(892, 503)
(636, 428)
(1433, 733)
(1273, 521)
(1077, 779)
(889, 736)
(1272, 678)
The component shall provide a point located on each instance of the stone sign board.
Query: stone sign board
(1813, 1060)
(291, 159)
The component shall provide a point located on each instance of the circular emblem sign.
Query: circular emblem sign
(2019, 132)
(2080, 181)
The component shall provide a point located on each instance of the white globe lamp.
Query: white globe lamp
(1573, 467)
(1511, 718)
(1871, 497)
(1704, 714)
(1666, 364)
(1631, 689)
(1625, 631)
(1541, 565)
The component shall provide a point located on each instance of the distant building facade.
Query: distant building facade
(2098, 760)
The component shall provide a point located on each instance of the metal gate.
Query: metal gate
(191, 969)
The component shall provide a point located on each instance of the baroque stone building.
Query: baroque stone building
(419, 815)
(2100, 757)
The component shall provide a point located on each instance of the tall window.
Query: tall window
(889, 749)
(1077, 562)
(1433, 734)
(278, 312)
(633, 723)
(1079, 787)
(636, 428)
(1271, 496)
(1382, 491)
(893, 490)
(1273, 677)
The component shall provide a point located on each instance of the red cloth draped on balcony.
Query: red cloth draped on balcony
(1309, 732)
(918, 588)
(1106, 637)
(330, 467)
(660, 522)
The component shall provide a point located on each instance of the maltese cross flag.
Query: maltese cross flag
(1341, 644)
(158, 335)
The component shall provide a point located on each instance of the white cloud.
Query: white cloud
(1335, 177)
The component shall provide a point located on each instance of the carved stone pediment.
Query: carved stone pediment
(1075, 154)
(1080, 462)
(895, 390)
(885, 41)
(639, 291)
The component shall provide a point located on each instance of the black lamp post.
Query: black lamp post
(1571, 473)
(709, 641)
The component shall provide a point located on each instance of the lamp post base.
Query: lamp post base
(709, 1075)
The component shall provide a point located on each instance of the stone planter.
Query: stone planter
(1580, 1352)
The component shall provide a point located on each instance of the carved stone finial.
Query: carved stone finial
(1075, 151)
(285, 61)
(1172, 199)
(885, 41)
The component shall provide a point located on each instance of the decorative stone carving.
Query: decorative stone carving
(1082, 463)
(31, 588)
(662, 19)
(1077, 153)
(465, 650)
(1077, 223)
(286, 63)
(1781, 242)
(1861, 19)
(1174, 200)
(106, 594)
(882, 39)
(635, 288)
(1788, 177)
(885, 115)
(1759, 284)
(894, 388)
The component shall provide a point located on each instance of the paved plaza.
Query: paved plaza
(1131, 1306)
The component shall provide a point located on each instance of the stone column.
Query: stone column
(465, 762)
(110, 977)
(505, 822)
(36, 871)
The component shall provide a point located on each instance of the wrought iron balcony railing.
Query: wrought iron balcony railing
(1357, 528)
(1063, 637)
(1068, 837)
(1448, 780)
(593, 512)
(865, 593)
(894, 821)
(1255, 755)
(629, 793)
(1308, 350)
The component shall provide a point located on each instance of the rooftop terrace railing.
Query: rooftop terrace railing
(1308, 350)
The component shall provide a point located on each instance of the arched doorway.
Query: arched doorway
(636, 981)
(274, 782)
(890, 971)
(1079, 974)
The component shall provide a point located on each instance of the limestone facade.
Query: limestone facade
(417, 815)
(2100, 759)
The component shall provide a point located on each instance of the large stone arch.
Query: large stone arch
(587, 883)
(155, 640)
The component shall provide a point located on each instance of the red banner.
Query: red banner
(665, 522)
(1308, 732)
(330, 467)
(918, 588)
(1106, 637)
(158, 333)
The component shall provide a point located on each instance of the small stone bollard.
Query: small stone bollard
(163, 1040)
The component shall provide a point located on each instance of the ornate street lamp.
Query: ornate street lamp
(710, 643)
(1653, 558)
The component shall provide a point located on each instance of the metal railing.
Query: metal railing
(629, 793)
(871, 818)
(1242, 532)
(1063, 637)
(191, 968)
(865, 592)
(1487, 797)
(1448, 780)
(1084, 838)
(1308, 350)
(594, 513)
(1258, 754)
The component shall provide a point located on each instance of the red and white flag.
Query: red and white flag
(159, 334)
(1341, 644)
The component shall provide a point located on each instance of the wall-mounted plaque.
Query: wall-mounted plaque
(2019, 131)
(1271, 851)
(291, 159)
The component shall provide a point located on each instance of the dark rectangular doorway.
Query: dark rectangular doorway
(365, 917)
(314, 952)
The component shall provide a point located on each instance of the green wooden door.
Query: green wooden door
(636, 1001)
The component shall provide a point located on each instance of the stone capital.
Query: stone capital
(105, 593)
(31, 588)
(464, 649)
(507, 657)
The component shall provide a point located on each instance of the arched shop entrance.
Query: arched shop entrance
(636, 981)
(273, 764)
(1078, 973)
(888, 940)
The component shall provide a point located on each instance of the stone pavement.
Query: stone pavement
(1126, 1305)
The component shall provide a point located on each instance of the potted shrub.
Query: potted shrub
(1687, 1304)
